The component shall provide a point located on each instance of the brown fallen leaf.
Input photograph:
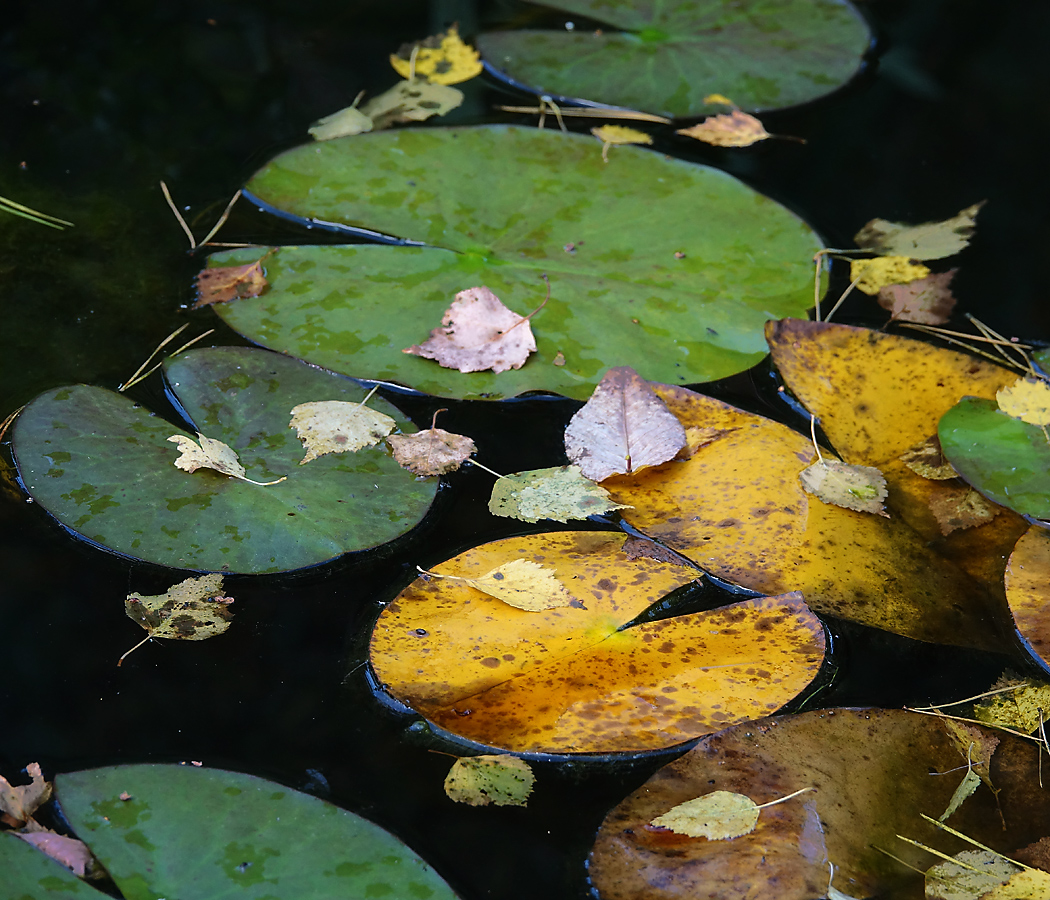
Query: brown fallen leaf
(624, 427)
(928, 300)
(638, 548)
(220, 284)
(861, 488)
(958, 507)
(433, 451)
(19, 802)
(732, 129)
(927, 460)
(479, 333)
(69, 852)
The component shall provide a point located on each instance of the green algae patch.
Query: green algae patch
(666, 265)
(130, 497)
(206, 840)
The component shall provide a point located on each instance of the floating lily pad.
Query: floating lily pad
(103, 466)
(180, 831)
(665, 57)
(1004, 458)
(671, 267)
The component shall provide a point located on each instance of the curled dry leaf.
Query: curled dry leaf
(67, 851)
(443, 58)
(930, 240)
(733, 129)
(872, 275)
(499, 779)
(619, 134)
(19, 802)
(523, 584)
(211, 454)
(478, 333)
(861, 488)
(1027, 399)
(928, 300)
(561, 493)
(336, 426)
(927, 460)
(431, 452)
(220, 284)
(624, 427)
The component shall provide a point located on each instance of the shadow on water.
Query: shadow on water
(101, 100)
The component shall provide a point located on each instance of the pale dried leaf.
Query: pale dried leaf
(952, 881)
(499, 779)
(930, 240)
(192, 610)
(67, 851)
(975, 744)
(928, 300)
(524, 584)
(220, 284)
(956, 507)
(971, 781)
(861, 488)
(336, 426)
(478, 333)
(345, 122)
(414, 100)
(19, 802)
(732, 129)
(927, 459)
(208, 454)
(1027, 399)
(431, 452)
(623, 428)
(718, 816)
(875, 274)
(562, 494)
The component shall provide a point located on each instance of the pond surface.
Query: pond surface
(99, 101)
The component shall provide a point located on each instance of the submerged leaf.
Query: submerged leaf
(928, 300)
(733, 129)
(432, 451)
(443, 58)
(718, 816)
(861, 488)
(192, 610)
(927, 459)
(335, 426)
(220, 284)
(19, 802)
(931, 240)
(623, 428)
(479, 333)
(499, 779)
(958, 507)
(524, 584)
(872, 275)
(1022, 709)
(561, 493)
(1027, 399)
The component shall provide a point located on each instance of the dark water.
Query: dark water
(101, 100)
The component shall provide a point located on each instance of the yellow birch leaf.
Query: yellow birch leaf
(343, 123)
(1027, 399)
(1028, 590)
(1021, 709)
(443, 59)
(718, 816)
(875, 274)
(335, 426)
(1028, 884)
(733, 129)
(930, 240)
(853, 487)
(524, 584)
(619, 134)
(413, 100)
(499, 779)
(561, 494)
(719, 98)
(211, 454)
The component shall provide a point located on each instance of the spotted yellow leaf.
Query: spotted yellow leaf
(442, 59)
(1027, 399)
(499, 779)
(875, 274)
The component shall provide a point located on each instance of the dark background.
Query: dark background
(101, 100)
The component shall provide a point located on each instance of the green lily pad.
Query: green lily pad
(1004, 458)
(30, 875)
(103, 466)
(666, 56)
(193, 832)
(671, 267)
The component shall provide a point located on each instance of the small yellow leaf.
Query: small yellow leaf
(861, 488)
(524, 584)
(499, 779)
(619, 134)
(718, 816)
(561, 494)
(930, 240)
(335, 426)
(1029, 884)
(211, 454)
(1027, 399)
(734, 129)
(719, 98)
(443, 59)
(345, 122)
(414, 100)
(1021, 709)
(875, 274)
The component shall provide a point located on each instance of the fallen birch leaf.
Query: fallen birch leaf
(872, 275)
(525, 585)
(211, 454)
(960, 507)
(561, 493)
(67, 851)
(976, 745)
(1022, 709)
(478, 333)
(343, 123)
(619, 134)
(19, 802)
(975, 873)
(220, 284)
(431, 452)
(336, 426)
(928, 300)
(499, 779)
(1027, 399)
(930, 240)
(861, 488)
(192, 610)
(443, 58)
(718, 816)
(413, 100)
(623, 428)
(927, 460)
(1028, 884)
(732, 129)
